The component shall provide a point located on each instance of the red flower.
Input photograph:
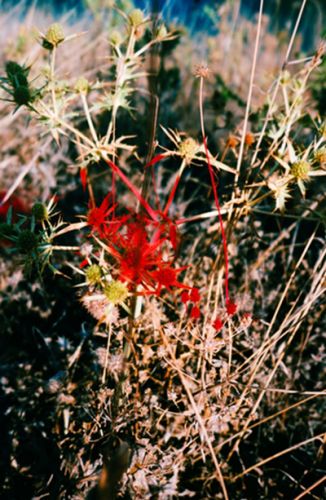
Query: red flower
(195, 312)
(218, 324)
(194, 295)
(97, 217)
(231, 308)
(166, 277)
(185, 297)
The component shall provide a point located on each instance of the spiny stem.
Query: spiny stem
(89, 118)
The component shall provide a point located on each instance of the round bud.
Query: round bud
(40, 212)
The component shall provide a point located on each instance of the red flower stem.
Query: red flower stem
(172, 193)
(156, 159)
(133, 189)
(214, 187)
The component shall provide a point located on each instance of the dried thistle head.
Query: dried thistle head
(202, 71)
(188, 148)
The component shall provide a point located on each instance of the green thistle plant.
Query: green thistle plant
(27, 241)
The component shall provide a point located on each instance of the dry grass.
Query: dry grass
(146, 395)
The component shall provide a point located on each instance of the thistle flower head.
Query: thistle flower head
(53, 36)
(116, 292)
(82, 85)
(300, 170)
(116, 38)
(93, 274)
(188, 149)
(136, 17)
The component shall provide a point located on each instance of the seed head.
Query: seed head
(116, 292)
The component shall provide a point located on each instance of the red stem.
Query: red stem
(217, 203)
(133, 189)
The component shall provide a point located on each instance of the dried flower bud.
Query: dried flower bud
(82, 85)
(285, 77)
(93, 274)
(116, 292)
(320, 157)
(232, 141)
(161, 31)
(136, 17)
(249, 139)
(40, 212)
(116, 38)
(53, 36)
(202, 71)
(300, 170)
(188, 149)
(27, 241)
